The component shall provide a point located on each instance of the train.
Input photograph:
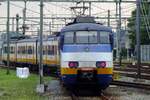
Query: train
(82, 53)
(25, 53)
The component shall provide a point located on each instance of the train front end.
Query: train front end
(86, 55)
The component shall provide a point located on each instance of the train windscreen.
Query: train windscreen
(87, 37)
(104, 37)
(69, 38)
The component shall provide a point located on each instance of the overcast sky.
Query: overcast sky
(59, 9)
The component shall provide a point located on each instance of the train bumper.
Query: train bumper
(102, 81)
(69, 80)
(100, 76)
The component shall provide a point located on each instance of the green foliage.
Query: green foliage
(14, 88)
(132, 26)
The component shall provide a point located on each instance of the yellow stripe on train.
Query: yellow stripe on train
(33, 61)
(75, 70)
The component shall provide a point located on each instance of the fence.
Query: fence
(145, 53)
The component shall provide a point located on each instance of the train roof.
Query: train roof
(52, 38)
(85, 26)
(28, 40)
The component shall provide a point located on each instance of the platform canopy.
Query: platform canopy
(96, 1)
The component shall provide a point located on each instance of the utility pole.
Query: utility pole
(24, 17)
(119, 35)
(127, 39)
(138, 52)
(117, 43)
(108, 23)
(83, 8)
(90, 9)
(13, 24)
(40, 86)
(149, 12)
(8, 37)
(50, 28)
(17, 23)
(41, 42)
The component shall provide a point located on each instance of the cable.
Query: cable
(146, 20)
(113, 10)
(58, 6)
(23, 7)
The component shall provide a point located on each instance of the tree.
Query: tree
(132, 25)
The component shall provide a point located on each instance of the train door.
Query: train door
(24, 53)
(45, 53)
(4, 54)
(19, 52)
(12, 53)
(30, 52)
(51, 53)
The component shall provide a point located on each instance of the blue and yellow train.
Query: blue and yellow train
(83, 51)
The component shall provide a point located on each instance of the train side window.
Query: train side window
(5, 50)
(19, 50)
(51, 50)
(104, 37)
(44, 50)
(55, 49)
(23, 50)
(69, 37)
(30, 50)
(11, 49)
(33, 49)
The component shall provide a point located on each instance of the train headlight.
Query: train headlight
(73, 64)
(101, 64)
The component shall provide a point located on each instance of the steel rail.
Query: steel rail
(131, 84)
(143, 70)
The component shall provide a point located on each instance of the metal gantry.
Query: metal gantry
(24, 17)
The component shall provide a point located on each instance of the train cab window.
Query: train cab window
(92, 37)
(86, 37)
(104, 37)
(69, 38)
(50, 50)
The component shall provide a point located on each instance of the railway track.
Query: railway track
(131, 84)
(133, 74)
(126, 63)
(131, 71)
(79, 94)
